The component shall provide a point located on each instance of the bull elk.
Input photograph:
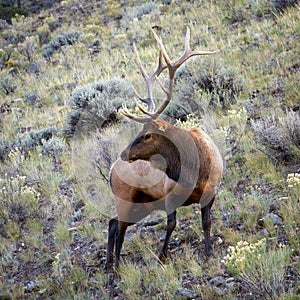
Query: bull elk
(165, 166)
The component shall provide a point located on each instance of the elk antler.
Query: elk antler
(150, 80)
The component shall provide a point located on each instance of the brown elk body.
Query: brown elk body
(165, 167)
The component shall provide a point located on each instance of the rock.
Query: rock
(176, 242)
(284, 53)
(223, 284)
(216, 281)
(54, 25)
(264, 232)
(186, 293)
(230, 286)
(257, 36)
(274, 218)
(234, 25)
(34, 67)
(31, 285)
(151, 221)
(31, 99)
(96, 43)
(217, 240)
(241, 227)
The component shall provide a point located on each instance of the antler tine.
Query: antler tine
(173, 67)
(144, 120)
(150, 80)
(187, 44)
(162, 48)
(149, 83)
(144, 73)
(188, 53)
(161, 66)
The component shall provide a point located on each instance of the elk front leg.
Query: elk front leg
(206, 224)
(112, 232)
(171, 224)
(120, 239)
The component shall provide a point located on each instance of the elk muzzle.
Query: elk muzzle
(129, 155)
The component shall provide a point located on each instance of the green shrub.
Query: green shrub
(5, 54)
(44, 134)
(69, 38)
(220, 82)
(235, 11)
(4, 148)
(7, 84)
(201, 85)
(28, 48)
(281, 5)
(7, 13)
(95, 105)
(146, 9)
(28, 142)
(280, 136)
(19, 201)
(53, 147)
(262, 271)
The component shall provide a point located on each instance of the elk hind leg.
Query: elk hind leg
(171, 224)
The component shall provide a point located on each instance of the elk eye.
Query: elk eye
(147, 136)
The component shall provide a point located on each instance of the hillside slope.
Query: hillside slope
(67, 70)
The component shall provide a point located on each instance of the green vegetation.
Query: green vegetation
(7, 13)
(263, 271)
(95, 106)
(69, 38)
(68, 69)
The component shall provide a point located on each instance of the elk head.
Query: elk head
(155, 137)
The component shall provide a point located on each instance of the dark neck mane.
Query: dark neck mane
(183, 157)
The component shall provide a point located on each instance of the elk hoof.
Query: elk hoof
(108, 268)
(162, 259)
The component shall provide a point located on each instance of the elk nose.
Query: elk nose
(124, 155)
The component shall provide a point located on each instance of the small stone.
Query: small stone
(264, 232)
(31, 99)
(96, 43)
(234, 26)
(275, 218)
(257, 36)
(216, 281)
(230, 286)
(34, 67)
(241, 227)
(188, 294)
(217, 240)
(271, 217)
(230, 279)
(31, 285)
(152, 221)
